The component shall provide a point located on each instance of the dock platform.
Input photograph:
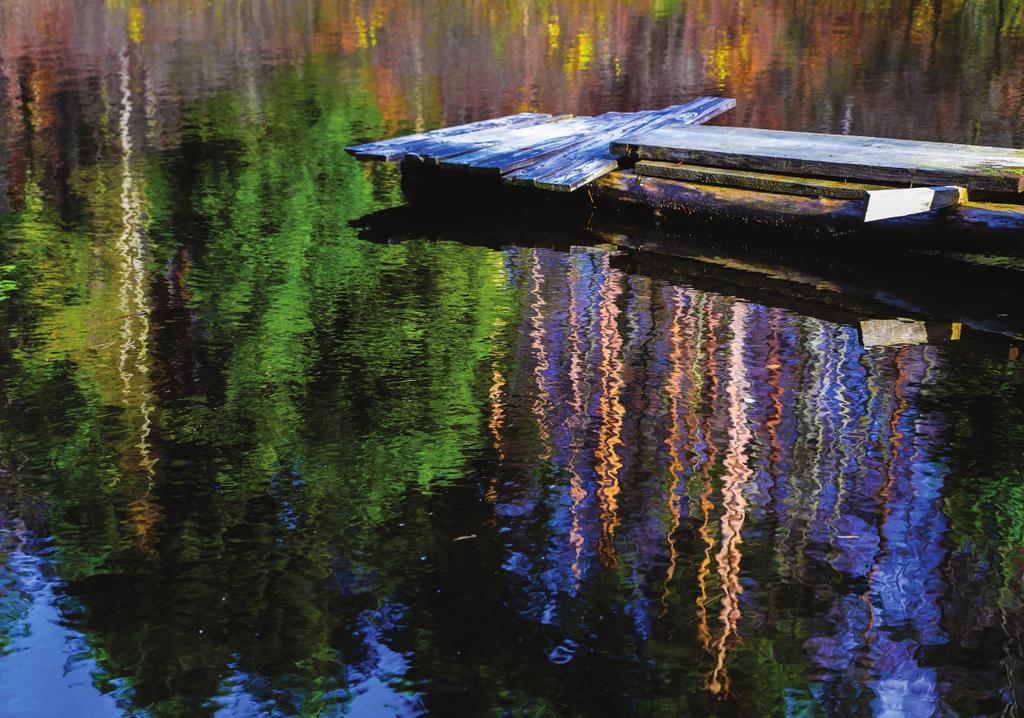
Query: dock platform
(668, 161)
(553, 152)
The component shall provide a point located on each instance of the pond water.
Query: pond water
(253, 463)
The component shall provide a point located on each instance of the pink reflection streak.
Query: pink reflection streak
(707, 506)
(674, 440)
(579, 419)
(611, 410)
(737, 473)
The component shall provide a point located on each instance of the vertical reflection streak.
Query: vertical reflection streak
(817, 418)
(674, 439)
(707, 506)
(734, 503)
(133, 355)
(773, 421)
(542, 409)
(844, 437)
(495, 396)
(578, 422)
(132, 297)
(611, 410)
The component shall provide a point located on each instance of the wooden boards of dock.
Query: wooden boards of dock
(828, 166)
(557, 153)
(873, 202)
(670, 162)
(843, 157)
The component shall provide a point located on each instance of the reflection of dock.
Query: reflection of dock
(664, 161)
(840, 287)
(898, 332)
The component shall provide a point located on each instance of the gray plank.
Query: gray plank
(858, 158)
(591, 158)
(514, 159)
(589, 153)
(395, 148)
(449, 152)
(517, 152)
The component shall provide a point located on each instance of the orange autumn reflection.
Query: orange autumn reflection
(829, 66)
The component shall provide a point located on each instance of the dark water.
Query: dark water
(253, 463)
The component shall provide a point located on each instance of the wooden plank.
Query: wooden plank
(766, 141)
(758, 181)
(590, 159)
(996, 227)
(878, 202)
(434, 151)
(514, 155)
(861, 158)
(394, 149)
(710, 202)
(889, 203)
(459, 152)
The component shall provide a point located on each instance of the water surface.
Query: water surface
(253, 463)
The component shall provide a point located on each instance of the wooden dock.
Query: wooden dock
(552, 152)
(667, 161)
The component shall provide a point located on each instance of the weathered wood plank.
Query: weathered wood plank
(463, 155)
(710, 202)
(435, 151)
(514, 155)
(860, 158)
(591, 158)
(889, 203)
(996, 226)
(878, 201)
(767, 141)
(395, 148)
(758, 181)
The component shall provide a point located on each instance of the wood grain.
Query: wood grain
(590, 158)
(448, 150)
(516, 152)
(838, 156)
(759, 181)
(996, 226)
(394, 149)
